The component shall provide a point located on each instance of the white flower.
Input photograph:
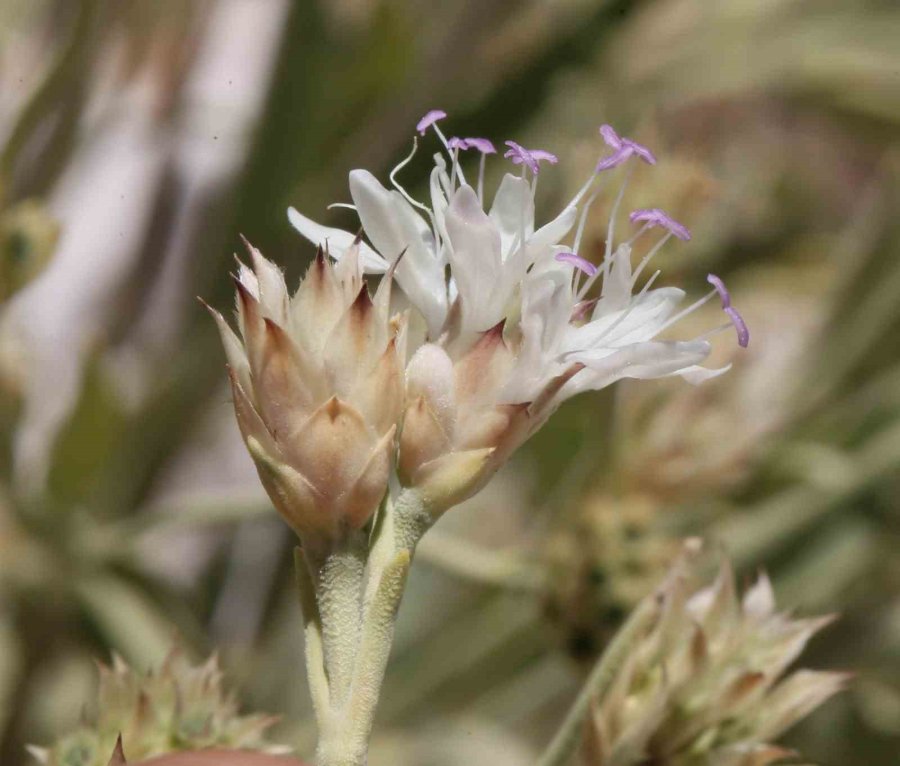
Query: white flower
(517, 321)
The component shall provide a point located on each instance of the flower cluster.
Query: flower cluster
(180, 707)
(506, 320)
(708, 683)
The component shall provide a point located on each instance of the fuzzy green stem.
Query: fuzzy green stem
(338, 579)
(565, 742)
(313, 640)
(344, 733)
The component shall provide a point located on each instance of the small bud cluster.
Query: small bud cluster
(709, 683)
(180, 707)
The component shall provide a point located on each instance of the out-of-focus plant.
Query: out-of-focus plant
(777, 112)
(177, 707)
(703, 679)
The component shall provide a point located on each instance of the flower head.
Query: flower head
(709, 683)
(178, 707)
(515, 318)
(317, 380)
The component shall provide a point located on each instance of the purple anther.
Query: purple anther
(743, 333)
(720, 289)
(578, 262)
(614, 160)
(656, 217)
(612, 139)
(542, 156)
(623, 148)
(481, 144)
(640, 150)
(519, 155)
(429, 119)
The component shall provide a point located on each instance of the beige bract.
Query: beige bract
(179, 707)
(318, 389)
(708, 685)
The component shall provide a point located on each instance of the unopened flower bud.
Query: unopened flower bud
(708, 684)
(318, 389)
(179, 707)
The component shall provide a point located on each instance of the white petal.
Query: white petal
(655, 359)
(513, 210)
(394, 227)
(552, 232)
(476, 262)
(636, 322)
(695, 375)
(338, 241)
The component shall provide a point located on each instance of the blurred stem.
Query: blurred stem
(566, 740)
(61, 70)
(514, 570)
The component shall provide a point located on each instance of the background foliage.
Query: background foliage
(140, 137)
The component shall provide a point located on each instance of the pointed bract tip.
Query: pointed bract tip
(210, 309)
(275, 332)
(245, 295)
(118, 754)
(497, 330)
(362, 303)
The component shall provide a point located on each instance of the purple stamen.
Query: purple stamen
(743, 332)
(578, 262)
(429, 119)
(612, 139)
(519, 155)
(530, 157)
(483, 145)
(720, 289)
(656, 217)
(614, 160)
(542, 156)
(623, 148)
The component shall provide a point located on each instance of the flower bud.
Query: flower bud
(708, 683)
(317, 381)
(141, 717)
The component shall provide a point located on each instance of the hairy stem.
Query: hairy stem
(356, 657)
(338, 579)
